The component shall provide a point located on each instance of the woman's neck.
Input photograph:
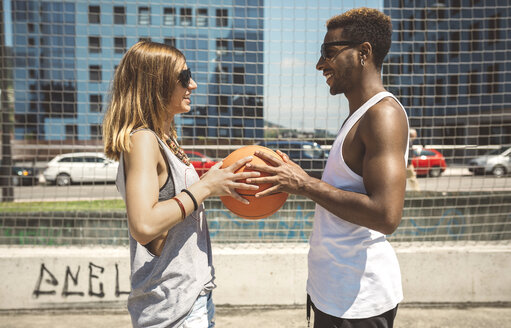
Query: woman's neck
(167, 125)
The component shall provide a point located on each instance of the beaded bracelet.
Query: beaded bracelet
(195, 205)
(181, 206)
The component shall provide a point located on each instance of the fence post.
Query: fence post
(6, 162)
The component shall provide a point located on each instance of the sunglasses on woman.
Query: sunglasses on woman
(184, 77)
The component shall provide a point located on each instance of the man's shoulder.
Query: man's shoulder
(387, 111)
(386, 119)
(386, 106)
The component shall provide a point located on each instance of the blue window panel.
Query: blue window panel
(19, 9)
(20, 74)
(20, 40)
(19, 133)
(69, 8)
(69, 75)
(57, 29)
(507, 89)
(200, 121)
(202, 56)
(56, 75)
(249, 123)
(190, 44)
(486, 98)
(69, 29)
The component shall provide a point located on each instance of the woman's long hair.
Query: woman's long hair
(140, 94)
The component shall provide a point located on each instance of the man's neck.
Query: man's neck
(368, 87)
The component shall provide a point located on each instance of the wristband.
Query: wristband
(181, 206)
(195, 205)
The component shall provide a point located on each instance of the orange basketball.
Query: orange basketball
(258, 208)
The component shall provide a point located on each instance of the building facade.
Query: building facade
(65, 54)
(450, 65)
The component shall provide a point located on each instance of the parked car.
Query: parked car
(496, 162)
(80, 167)
(23, 176)
(308, 155)
(200, 162)
(428, 162)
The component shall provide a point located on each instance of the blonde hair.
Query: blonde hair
(140, 94)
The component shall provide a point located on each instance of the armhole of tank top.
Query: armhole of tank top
(353, 174)
(167, 164)
(343, 162)
(123, 169)
(162, 152)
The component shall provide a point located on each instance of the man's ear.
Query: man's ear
(366, 50)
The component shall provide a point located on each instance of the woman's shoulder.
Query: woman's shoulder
(145, 136)
(143, 141)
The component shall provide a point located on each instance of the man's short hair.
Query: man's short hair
(365, 25)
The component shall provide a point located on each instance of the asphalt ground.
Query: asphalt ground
(230, 317)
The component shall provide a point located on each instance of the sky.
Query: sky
(296, 94)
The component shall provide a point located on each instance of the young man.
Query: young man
(354, 277)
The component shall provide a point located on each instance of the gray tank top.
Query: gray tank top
(164, 288)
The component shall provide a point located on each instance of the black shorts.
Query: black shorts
(323, 320)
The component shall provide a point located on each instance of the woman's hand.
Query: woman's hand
(224, 181)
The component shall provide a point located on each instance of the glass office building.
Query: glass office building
(450, 65)
(65, 54)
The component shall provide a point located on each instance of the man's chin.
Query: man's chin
(333, 91)
(336, 90)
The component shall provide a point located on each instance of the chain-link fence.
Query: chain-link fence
(254, 63)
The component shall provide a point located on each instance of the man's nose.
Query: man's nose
(320, 64)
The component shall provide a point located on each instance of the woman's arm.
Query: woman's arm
(148, 218)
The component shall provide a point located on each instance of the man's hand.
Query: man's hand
(284, 174)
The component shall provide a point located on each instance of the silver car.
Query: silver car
(496, 162)
(80, 167)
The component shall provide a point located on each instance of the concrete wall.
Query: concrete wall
(52, 277)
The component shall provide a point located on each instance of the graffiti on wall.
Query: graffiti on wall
(451, 223)
(290, 226)
(94, 275)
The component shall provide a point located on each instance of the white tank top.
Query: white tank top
(353, 270)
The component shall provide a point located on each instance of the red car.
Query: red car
(428, 162)
(200, 162)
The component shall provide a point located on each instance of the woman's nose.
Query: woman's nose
(192, 85)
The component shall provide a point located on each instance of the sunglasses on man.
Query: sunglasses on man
(324, 47)
(184, 78)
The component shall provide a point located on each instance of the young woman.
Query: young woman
(171, 268)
